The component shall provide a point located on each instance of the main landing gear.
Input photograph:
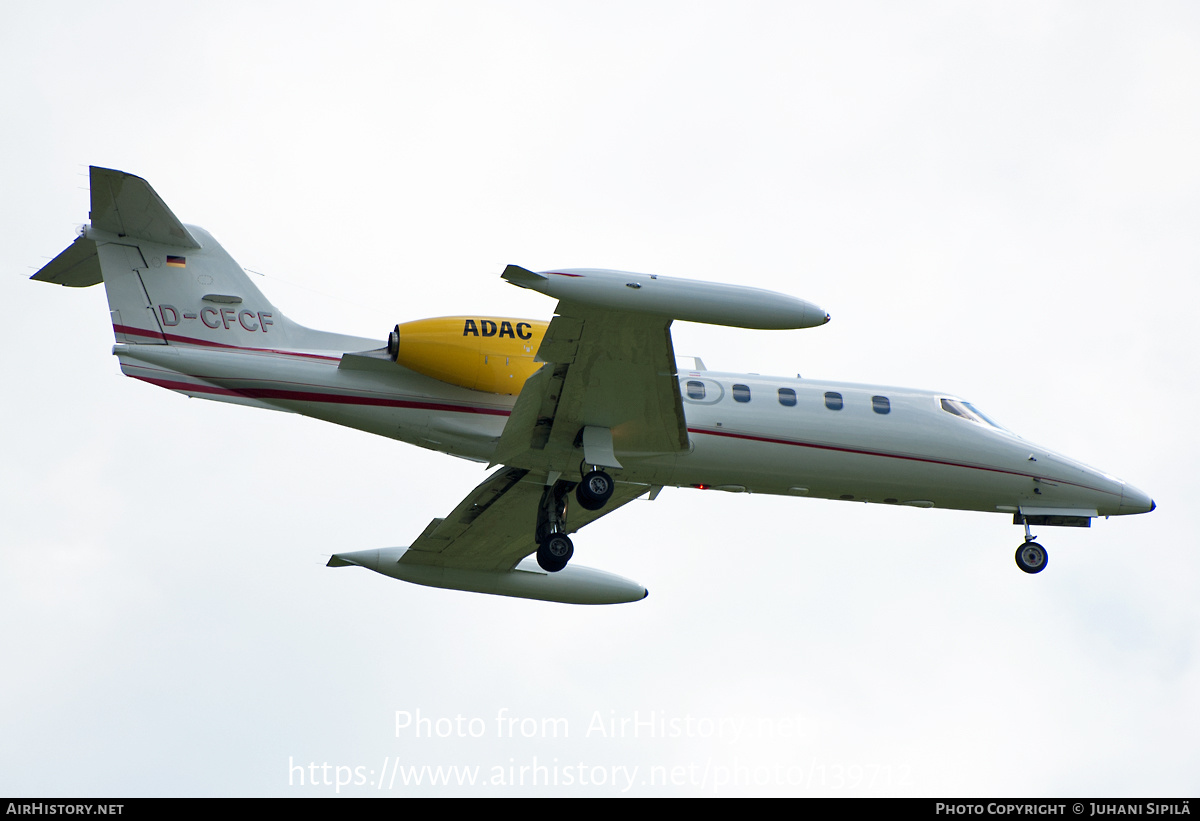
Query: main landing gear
(1031, 556)
(554, 553)
(554, 546)
(595, 490)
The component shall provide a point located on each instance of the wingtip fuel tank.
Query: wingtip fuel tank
(712, 303)
(571, 585)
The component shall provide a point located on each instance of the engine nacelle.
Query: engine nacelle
(491, 354)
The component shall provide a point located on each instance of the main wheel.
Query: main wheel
(554, 553)
(595, 490)
(1032, 557)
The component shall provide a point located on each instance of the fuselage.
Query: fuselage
(582, 413)
(747, 433)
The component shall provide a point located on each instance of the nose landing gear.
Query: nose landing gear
(1031, 556)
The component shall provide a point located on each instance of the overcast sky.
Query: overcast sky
(999, 200)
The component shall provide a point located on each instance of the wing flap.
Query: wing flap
(493, 527)
(605, 369)
(561, 340)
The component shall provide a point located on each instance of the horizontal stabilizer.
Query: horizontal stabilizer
(76, 267)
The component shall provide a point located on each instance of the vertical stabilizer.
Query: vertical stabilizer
(126, 206)
(170, 283)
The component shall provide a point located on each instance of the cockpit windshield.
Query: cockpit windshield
(968, 411)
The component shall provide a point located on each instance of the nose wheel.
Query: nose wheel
(1032, 557)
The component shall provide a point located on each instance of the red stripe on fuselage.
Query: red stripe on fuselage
(191, 340)
(905, 457)
(287, 394)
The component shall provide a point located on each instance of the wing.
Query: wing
(493, 528)
(607, 371)
(608, 390)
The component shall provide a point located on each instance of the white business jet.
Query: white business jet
(582, 414)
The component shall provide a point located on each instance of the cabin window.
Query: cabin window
(833, 400)
(695, 389)
(880, 404)
(787, 396)
(741, 393)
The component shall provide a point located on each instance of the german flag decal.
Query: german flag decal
(176, 262)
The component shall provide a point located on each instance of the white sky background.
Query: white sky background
(998, 200)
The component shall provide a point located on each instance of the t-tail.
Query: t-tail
(172, 284)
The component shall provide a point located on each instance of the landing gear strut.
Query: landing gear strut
(554, 547)
(1031, 556)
